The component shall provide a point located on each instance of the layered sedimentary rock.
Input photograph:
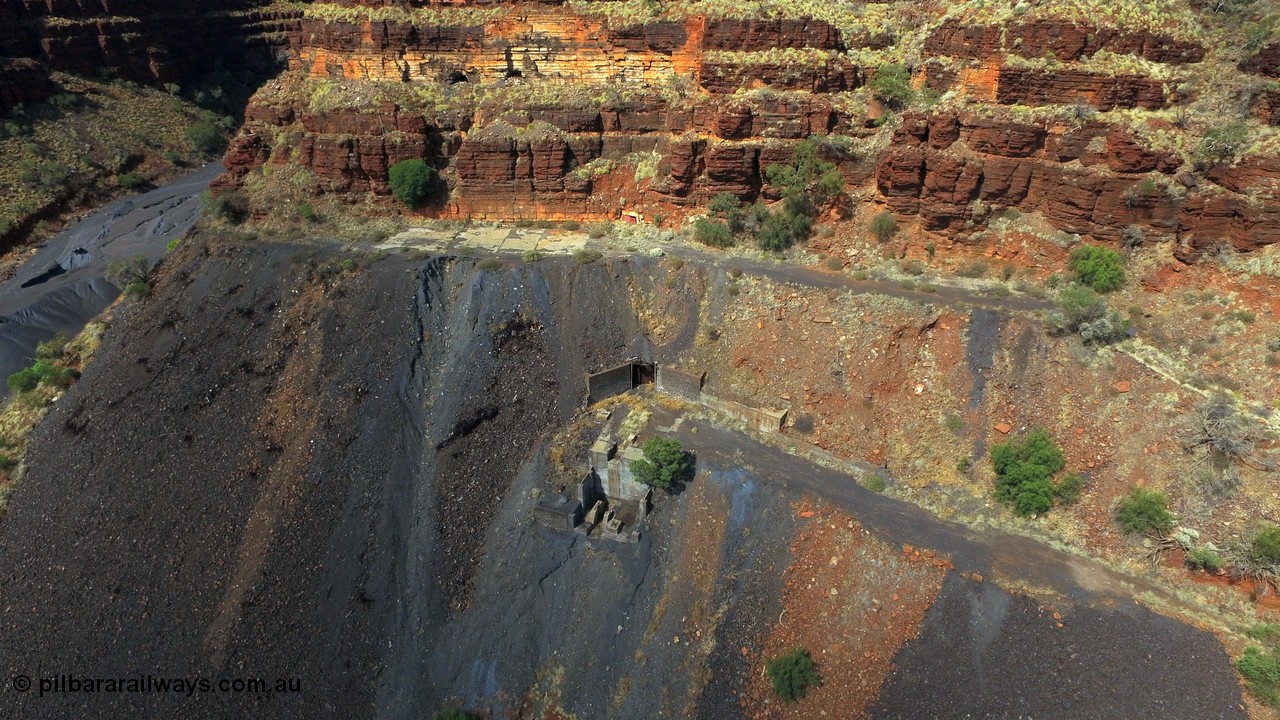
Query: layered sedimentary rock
(151, 41)
(574, 110)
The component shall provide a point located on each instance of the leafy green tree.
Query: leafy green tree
(664, 465)
(793, 674)
(1101, 269)
(1024, 472)
(891, 85)
(1145, 511)
(411, 182)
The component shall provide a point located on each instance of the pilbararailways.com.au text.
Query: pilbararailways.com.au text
(141, 684)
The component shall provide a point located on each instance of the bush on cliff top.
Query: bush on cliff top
(411, 182)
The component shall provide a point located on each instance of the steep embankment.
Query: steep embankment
(327, 474)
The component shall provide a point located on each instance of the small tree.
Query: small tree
(892, 85)
(665, 463)
(883, 226)
(1145, 511)
(793, 674)
(411, 182)
(1102, 269)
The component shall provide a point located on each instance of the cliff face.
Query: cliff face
(149, 41)
(586, 109)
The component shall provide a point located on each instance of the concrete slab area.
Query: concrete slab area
(488, 238)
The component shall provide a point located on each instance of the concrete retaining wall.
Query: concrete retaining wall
(770, 421)
(609, 382)
(685, 384)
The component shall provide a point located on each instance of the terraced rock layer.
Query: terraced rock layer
(551, 110)
(151, 41)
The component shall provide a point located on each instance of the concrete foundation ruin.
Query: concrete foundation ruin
(619, 379)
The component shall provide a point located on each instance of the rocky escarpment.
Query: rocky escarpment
(151, 41)
(588, 109)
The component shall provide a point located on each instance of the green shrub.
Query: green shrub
(411, 182)
(1261, 671)
(712, 232)
(24, 380)
(1204, 559)
(1083, 311)
(307, 212)
(883, 226)
(123, 272)
(874, 483)
(42, 372)
(806, 176)
(570, 225)
(892, 85)
(1097, 267)
(724, 203)
(530, 256)
(490, 264)
(1145, 511)
(793, 674)
(664, 465)
(137, 290)
(1069, 488)
(6, 462)
(52, 348)
(788, 226)
(1265, 548)
(598, 230)
(206, 137)
(230, 206)
(172, 245)
(1024, 470)
(586, 256)
(1264, 632)
(1222, 143)
(130, 180)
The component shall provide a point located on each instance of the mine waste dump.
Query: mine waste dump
(350, 478)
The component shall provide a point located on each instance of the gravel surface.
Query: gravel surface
(259, 474)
